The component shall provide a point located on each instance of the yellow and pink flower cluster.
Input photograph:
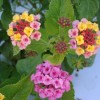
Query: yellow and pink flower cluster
(85, 37)
(23, 28)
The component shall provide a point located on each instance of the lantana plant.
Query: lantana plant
(49, 51)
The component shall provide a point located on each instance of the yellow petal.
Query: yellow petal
(82, 26)
(90, 48)
(30, 18)
(10, 32)
(28, 31)
(98, 42)
(80, 40)
(24, 15)
(2, 96)
(98, 37)
(16, 18)
(95, 27)
(17, 37)
(79, 51)
(89, 25)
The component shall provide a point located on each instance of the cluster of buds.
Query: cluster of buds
(64, 22)
(60, 47)
(51, 81)
(23, 28)
(85, 37)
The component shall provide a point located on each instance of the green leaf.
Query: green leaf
(16, 50)
(88, 8)
(3, 34)
(6, 5)
(79, 62)
(57, 9)
(1, 2)
(27, 65)
(6, 50)
(98, 15)
(5, 71)
(37, 99)
(75, 61)
(6, 18)
(45, 4)
(20, 90)
(89, 61)
(9, 81)
(44, 34)
(15, 76)
(69, 95)
(38, 46)
(66, 67)
(55, 59)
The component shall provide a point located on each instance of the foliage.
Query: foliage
(19, 90)
(86, 8)
(27, 65)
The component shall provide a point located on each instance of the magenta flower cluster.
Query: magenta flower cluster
(51, 81)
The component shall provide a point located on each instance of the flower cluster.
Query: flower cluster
(50, 81)
(23, 28)
(85, 37)
(1, 96)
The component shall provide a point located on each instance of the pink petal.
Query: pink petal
(47, 80)
(75, 23)
(37, 17)
(36, 35)
(26, 40)
(35, 25)
(21, 45)
(84, 20)
(42, 93)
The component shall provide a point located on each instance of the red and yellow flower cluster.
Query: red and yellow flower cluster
(23, 28)
(85, 37)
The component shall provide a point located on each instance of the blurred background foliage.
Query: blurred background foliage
(90, 9)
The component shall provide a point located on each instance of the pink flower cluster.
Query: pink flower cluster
(51, 81)
(23, 30)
